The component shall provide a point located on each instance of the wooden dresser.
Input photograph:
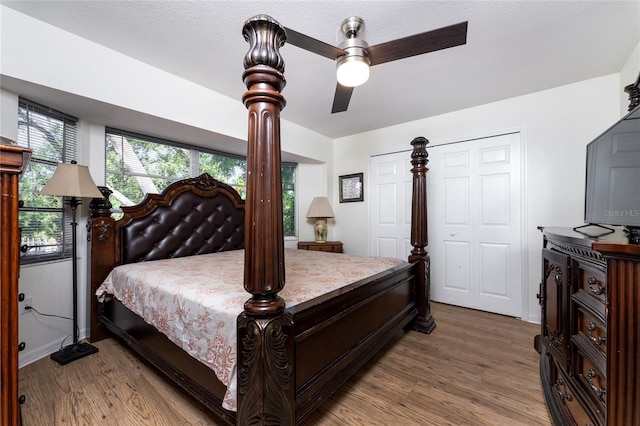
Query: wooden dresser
(590, 334)
(13, 159)
(330, 246)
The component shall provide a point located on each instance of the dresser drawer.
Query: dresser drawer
(568, 400)
(588, 367)
(329, 246)
(592, 281)
(592, 328)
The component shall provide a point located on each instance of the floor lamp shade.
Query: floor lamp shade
(320, 210)
(73, 181)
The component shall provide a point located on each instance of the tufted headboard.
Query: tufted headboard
(190, 217)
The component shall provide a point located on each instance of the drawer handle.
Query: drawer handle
(563, 395)
(594, 286)
(597, 340)
(591, 374)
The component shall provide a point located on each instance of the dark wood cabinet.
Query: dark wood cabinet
(590, 331)
(12, 162)
(555, 315)
(330, 246)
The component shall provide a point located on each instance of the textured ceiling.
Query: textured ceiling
(513, 48)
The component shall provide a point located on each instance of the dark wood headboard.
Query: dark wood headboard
(190, 217)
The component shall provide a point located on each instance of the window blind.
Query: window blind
(45, 224)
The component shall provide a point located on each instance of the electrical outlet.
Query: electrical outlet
(22, 305)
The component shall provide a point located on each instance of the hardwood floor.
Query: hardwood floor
(476, 368)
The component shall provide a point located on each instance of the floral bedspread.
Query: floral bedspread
(196, 300)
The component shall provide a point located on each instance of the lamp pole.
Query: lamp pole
(73, 203)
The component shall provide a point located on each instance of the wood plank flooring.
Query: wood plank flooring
(476, 368)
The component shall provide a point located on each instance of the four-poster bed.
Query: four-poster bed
(289, 357)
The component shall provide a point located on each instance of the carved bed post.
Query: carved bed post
(419, 238)
(265, 332)
(634, 93)
(102, 256)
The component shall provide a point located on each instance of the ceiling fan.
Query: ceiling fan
(354, 56)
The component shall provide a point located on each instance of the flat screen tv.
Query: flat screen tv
(612, 193)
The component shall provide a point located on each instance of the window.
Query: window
(138, 164)
(288, 198)
(44, 221)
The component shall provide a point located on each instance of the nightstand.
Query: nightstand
(330, 246)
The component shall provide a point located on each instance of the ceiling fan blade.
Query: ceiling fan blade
(341, 98)
(312, 45)
(430, 41)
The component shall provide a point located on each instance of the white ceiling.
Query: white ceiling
(513, 48)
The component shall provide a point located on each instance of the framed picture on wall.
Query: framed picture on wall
(351, 188)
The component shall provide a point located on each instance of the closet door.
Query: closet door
(390, 206)
(475, 236)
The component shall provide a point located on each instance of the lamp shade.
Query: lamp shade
(71, 180)
(320, 207)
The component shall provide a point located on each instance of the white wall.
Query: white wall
(557, 124)
(8, 123)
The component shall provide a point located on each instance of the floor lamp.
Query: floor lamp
(73, 181)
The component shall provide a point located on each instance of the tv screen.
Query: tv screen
(613, 175)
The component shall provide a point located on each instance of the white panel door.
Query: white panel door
(390, 205)
(474, 199)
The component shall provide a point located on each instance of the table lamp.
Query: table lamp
(320, 210)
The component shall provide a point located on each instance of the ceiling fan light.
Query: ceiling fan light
(352, 71)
